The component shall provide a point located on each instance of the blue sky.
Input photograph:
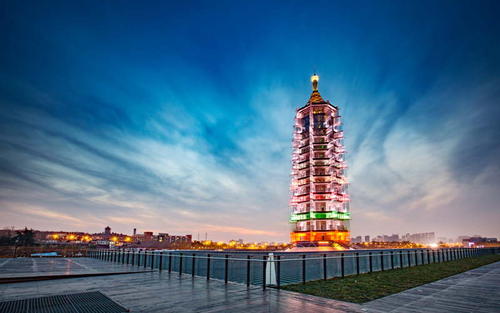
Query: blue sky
(177, 116)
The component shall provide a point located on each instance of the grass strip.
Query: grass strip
(370, 286)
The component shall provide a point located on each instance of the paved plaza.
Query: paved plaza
(474, 291)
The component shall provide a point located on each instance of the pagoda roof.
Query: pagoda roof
(316, 98)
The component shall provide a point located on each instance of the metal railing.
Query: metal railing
(282, 268)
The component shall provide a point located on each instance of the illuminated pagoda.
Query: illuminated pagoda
(319, 200)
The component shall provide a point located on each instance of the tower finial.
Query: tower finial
(314, 81)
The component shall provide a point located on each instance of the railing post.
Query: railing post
(160, 262)
(193, 264)
(382, 261)
(180, 264)
(248, 270)
(226, 265)
(408, 256)
(278, 272)
(325, 274)
(264, 258)
(208, 266)
(303, 268)
(170, 262)
(392, 259)
(400, 258)
(342, 265)
(152, 260)
(357, 263)
(416, 258)
(370, 261)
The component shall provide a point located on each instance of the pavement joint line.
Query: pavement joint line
(22, 279)
(5, 262)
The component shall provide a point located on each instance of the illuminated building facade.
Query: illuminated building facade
(319, 199)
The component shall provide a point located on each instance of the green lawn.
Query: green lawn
(366, 287)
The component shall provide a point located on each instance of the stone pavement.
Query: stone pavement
(477, 290)
(33, 267)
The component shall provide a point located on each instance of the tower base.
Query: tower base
(319, 238)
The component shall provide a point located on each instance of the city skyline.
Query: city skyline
(168, 119)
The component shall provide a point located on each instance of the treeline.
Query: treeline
(24, 237)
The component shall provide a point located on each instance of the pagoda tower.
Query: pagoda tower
(319, 201)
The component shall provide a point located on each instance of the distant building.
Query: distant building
(148, 235)
(475, 241)
(357, 239)
(462, 238)
(107, 230)
(422, 238)
(367, 238)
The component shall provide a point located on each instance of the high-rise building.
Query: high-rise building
(319, 200)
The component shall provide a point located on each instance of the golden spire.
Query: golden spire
(314, 81)
(315, 96)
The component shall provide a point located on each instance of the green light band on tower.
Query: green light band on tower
(320, 215)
